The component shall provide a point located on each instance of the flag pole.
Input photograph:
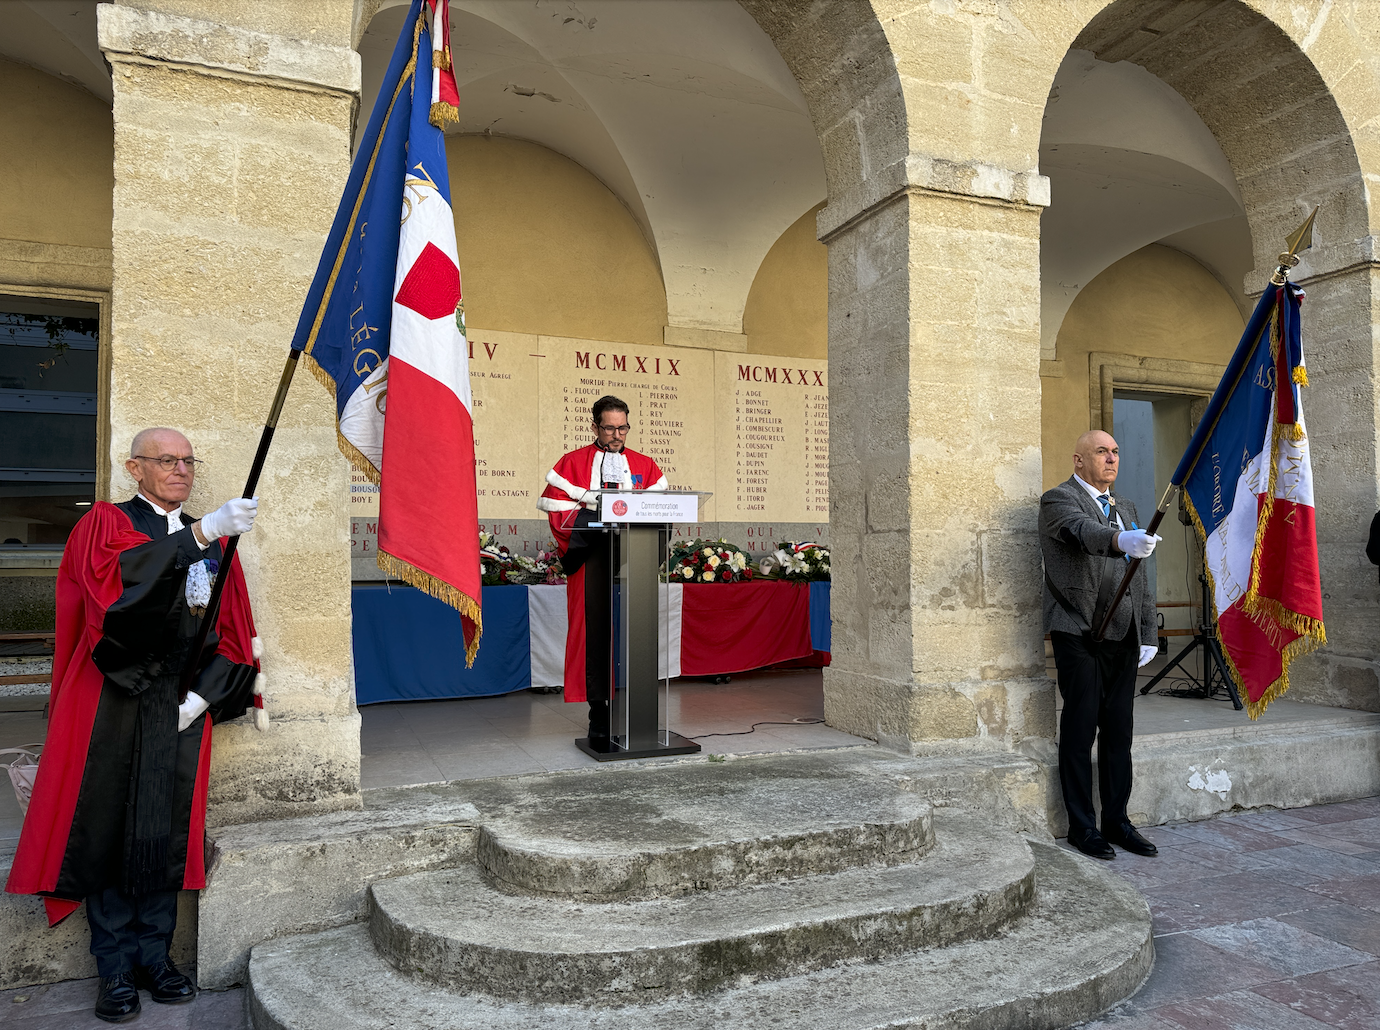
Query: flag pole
(255, 470)
(1299, 240)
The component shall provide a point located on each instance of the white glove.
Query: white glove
(190, 709)
(1146, 653)
(233, 518)
(1137, 543)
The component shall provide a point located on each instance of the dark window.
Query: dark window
(48, 362)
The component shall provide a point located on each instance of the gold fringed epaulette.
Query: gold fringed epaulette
(443, 115)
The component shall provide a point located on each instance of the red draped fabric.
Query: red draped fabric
(734, 627)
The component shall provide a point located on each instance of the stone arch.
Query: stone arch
(842, 60)
(1266, 102)
(1288, 103)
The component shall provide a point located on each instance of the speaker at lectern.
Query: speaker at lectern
(638, 524)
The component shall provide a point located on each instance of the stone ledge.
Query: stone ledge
(918, 173)
(54, 265)
(130, 35)
(1318, 263)
(300, 875)
(1198, 774)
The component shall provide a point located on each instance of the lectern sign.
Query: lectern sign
(649, 506)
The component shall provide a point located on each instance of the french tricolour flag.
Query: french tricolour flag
(1249, 486)
(384, 327)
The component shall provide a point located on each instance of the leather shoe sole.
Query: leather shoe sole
(1094, 845)
(1131, 840)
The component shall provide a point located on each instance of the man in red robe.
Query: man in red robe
(586, 554)
(118, 811)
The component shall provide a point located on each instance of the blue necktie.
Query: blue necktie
(1106, 501)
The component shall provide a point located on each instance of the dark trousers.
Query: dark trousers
(130, 931)
(592, 550)
(1098, 684)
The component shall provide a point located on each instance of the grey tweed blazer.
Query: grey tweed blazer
(1075, 542)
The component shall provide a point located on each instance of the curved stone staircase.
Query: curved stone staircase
(815, 890)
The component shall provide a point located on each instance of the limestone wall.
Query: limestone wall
(546, 248)
(55, 164)
(787, 310)
(56, 182)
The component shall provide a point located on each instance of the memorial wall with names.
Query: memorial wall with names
(751, 428)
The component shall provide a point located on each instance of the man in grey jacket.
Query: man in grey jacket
(1087, 535)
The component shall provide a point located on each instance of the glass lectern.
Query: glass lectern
(639, 526)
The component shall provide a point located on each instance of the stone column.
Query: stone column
(935, 467)
(1342, 408)
(231, 148)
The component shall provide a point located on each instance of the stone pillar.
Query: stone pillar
(231, 148)
(935, 468)
(1342, 408)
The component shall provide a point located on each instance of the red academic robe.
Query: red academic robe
(566, 483)
(70, 844)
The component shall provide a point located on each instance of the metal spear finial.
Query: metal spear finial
(1298, 241)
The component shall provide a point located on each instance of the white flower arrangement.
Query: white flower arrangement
(709, 561)
(796, 561)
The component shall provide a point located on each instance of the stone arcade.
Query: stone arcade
(952, 157)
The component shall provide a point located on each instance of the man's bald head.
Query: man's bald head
(1096, 459)
(148, 441)
(165, 487)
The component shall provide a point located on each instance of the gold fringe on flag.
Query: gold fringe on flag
(1301, 375)
(352, 453)
(441, 59)
(444, 115)
(442, 591)
(1268, 614)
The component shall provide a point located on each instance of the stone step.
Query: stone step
(657, 832)
(1084, 946)
(452, 928)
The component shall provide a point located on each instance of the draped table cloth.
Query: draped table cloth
(408, 645)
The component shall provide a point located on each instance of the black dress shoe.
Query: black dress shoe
(164, 983)
(1128, 838)
(118, 999)
(1092, 844)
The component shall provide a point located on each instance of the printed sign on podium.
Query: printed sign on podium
(650, 506)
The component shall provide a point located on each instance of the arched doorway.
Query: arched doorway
(632, 194)
(1263, 135)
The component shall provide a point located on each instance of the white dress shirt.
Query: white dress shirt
(1096, 493)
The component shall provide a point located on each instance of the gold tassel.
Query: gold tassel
(442, 591)
(443, 115)
(1298, 432)
(1301, 376)
(322, 376)
(441, 59)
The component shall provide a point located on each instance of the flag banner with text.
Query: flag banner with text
(1248, 485)
(384, 327)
